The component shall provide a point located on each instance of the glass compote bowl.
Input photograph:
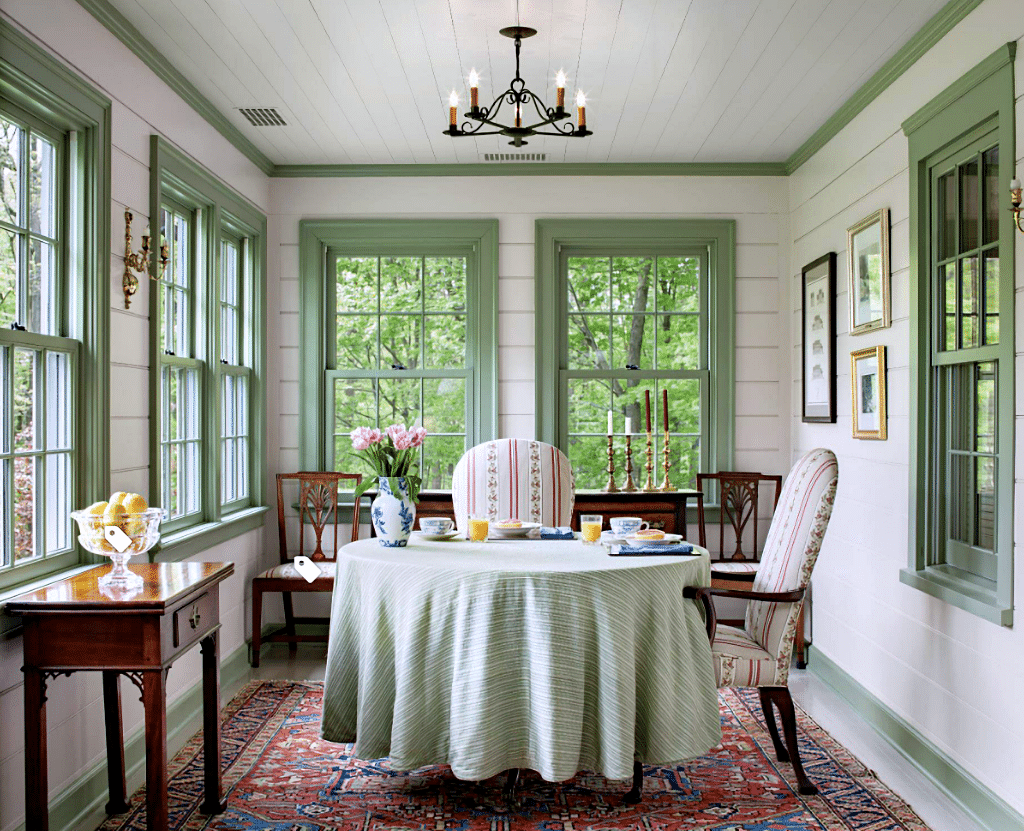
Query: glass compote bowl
(143, 529)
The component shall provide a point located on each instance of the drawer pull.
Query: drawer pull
(194, 618)
(659, 524)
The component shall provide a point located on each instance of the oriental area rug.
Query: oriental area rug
(279, 776)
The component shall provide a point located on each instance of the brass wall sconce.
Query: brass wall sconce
(138, 261)
(1015, 201)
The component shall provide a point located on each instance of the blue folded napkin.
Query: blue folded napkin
(562, 532)
(643, 550)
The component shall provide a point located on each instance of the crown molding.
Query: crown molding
(291, 171)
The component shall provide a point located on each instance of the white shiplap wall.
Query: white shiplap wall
(142, 105)
(954, 677)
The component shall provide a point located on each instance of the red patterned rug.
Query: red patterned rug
(279, 776)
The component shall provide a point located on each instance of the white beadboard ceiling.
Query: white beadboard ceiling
(367, 81)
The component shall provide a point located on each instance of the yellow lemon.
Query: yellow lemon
(134, 503)
(115, 515)
(97, 508)
(118, 497)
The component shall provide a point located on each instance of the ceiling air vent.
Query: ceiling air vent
(515, 157)
(262, 116)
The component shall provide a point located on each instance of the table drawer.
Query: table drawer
(191, 620)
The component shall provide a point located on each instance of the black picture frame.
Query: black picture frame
(818, 340)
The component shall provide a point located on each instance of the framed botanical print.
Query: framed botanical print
(819, 339)
(867, 383)
(867, 246)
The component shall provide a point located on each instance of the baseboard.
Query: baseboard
(88, 794)
(976, 799)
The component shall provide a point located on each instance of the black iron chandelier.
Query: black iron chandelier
(518, 97)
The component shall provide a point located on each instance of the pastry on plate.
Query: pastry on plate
(508, 523)
(649, 534)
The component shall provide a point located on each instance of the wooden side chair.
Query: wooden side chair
(759, 653)
(318, 508)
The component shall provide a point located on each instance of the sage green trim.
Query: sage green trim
(962, 86)
(81, 802)
(342, 171)
(39, 84)
(980, 102)
(176, 177)
(120, 27)
(715, 237)
(977, 800)
(477, 238)
(931, 33)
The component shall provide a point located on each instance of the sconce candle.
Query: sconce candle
(453, 108)
(581, 109)
(560, 90)
(609, 422)
(474, 90)
(629, 426)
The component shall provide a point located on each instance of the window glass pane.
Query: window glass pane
(356, 342)
(444, 405)
(985, 503)
(679, 342)
(632, 284)
(627, 400)
(633, 341)
(444, 343)
(354, 406)
(400, 341)
(180, 460)
(229, 334)
(589, 402)
(58, 493)
(6, 411)
(356, 284)
(58, 401)
(684, 457)
(42, 288)
(180, 251)
(948, 277)
(24, 508)
(992, 296)
(400, 284)
(6, 539)
(181, 324)
(588, 456)
(229, 273)
(985, 395)
(440, 455)
(683, 405)
(947, 216)
(993, 194)
(589, 284)
(11, 138)
(399, 401)
(24, 399)
(678, 284)
(961, 507)
(969, 302)
(42, 187)
(445, 284)
(589, 345)
(10, 255)
(969, 206)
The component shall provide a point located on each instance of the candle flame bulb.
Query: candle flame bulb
(453, 99)
(560, 79)
(474, 78)
(560, 91)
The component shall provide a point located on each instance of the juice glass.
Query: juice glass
(590, 528)
(478, 528)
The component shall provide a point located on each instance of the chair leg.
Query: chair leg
(509, 791)
(784, 701)
(800, 647)
(257, 624)
(773, 729)
(289, 620)
(635, 793)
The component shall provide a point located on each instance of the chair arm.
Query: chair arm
(745, 594)
(702, 594)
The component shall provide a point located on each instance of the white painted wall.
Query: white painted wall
(142, 105)
(956, 678)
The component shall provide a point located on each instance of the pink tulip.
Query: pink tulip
(417, 433)
(363, 437)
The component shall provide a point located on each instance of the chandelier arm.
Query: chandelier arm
(468, 130)
(546, 113)
(567, 132)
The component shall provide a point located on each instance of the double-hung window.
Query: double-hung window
(54, 269)
(627, 308)
(208, 357)
(962, 325)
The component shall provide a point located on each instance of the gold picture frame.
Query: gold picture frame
(867, 264)
(868, 393)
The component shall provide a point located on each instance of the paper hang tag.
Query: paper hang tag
(117, 538)
(306, 568)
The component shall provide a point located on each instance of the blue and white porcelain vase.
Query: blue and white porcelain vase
(393, 513)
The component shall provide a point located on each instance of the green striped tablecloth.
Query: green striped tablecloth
(545, 655)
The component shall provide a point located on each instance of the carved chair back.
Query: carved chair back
(318, 509)
(739, 494)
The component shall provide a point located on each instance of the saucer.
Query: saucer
(446, 535)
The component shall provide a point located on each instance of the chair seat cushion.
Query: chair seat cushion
(734, 567)
(740, 661)
(287, 571)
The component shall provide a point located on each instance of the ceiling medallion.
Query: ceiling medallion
(517, 96)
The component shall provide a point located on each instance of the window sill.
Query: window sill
(191, 541)
(966, 594)
(10, 625)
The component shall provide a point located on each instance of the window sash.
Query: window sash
(230, 442)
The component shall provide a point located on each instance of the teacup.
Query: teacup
(626, 526)
(435, 524)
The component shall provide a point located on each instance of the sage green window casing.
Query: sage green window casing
(714, 241)
(321, 243)
(972, 115)
(42, 94)
(219, 213)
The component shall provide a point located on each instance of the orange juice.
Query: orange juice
(590, 531)
(478, 528)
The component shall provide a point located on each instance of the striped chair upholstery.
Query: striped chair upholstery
(520, 478)
(759, 654)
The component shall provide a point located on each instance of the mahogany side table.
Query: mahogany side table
(71, 626)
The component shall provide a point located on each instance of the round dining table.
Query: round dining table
(546, 655)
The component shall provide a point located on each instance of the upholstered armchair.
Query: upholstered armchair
(759, 654)
(520, 478)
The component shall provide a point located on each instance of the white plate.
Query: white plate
(668, 539)
(447, 535)
(512, 533)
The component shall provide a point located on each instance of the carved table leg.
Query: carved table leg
(635, 793)
(117, 803)
(36, 788)
(154, 699)
(212, 801)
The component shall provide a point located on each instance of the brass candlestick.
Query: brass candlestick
(649, 484)
(630, 485)
(610, 486)
(666, 485)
